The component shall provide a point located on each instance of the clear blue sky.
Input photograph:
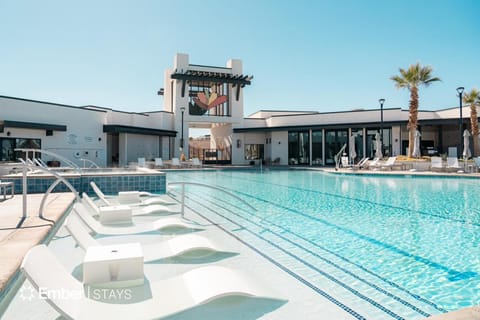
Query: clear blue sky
(304, 55)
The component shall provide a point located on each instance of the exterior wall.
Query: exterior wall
(396, 141)
(84, 137)
(280, 146)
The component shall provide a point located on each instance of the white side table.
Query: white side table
(114, 265)
(115, 214)
(4, 186)
(129, 197)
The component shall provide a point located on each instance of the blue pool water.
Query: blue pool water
(405, 247)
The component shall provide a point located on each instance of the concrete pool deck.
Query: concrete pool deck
(16, 240)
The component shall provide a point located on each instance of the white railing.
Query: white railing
(53, 154)
(338, 156)
(92, 164)
(206, 186)
(25, 167)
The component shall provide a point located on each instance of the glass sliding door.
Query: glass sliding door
(334, 141)
(317, 148)
(371, 143)
(298, 147)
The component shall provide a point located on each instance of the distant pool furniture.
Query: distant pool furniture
(372, 163)
(4, 189)
(390, 164)
(360, 164)
(129, 197)
(137, 211)
(436, 164)
(141, 162)
(195, 246)
(113, 265)
(344, 161)
(477, 163)
(196, 162)
(166, 297)
(175, 163)
(452, 164)
(162, 224)
(158, 163)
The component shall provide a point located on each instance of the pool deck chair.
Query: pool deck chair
(162, 224)
(196, 163)
(192, 245)
(137, 211)
(132, 198)
(166, 297)
(436, 164)
(344, 162)
(141, 162)
(158, 163)
(175, 163)
(452, 164)
(372, 163)
(390, 163)
(360, 164)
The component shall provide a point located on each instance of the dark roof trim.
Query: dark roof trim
(348, 125)
(34, 125)
(115, 128)
(193, 75)
(50, 103)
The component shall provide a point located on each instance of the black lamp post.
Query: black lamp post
(460, 92)
(181, 139)
(382, 101)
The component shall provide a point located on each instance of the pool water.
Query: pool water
(394, 246)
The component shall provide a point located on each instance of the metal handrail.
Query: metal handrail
(338, 156)
(68, 162)
(182, 183)
(26, 166)
(92, 164)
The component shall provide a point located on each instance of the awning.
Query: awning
(115, 128)
(32, 125)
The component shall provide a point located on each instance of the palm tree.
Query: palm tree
(411, 79)
(473, 99)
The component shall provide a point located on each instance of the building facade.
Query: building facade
(210, 97)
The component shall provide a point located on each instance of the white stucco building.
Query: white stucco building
(211, 97)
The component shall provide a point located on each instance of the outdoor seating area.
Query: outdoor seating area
(99, 227)
(174, 163)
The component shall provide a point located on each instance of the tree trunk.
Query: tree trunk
(412, 119)
(474, 125)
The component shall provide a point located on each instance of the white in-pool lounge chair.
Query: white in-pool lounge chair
(161, 224)
(132, 198)
(195, 246)
(167, 297)
(138, 211)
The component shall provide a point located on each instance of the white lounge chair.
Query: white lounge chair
(390, 163)
(141, 162)
(175, 163)
(166, 297)
(193, 245)
(452, 163)
(373, 163)
(167, 223)
(137, 211)
(135, 195)
(158, 163)
(436, 163)
(361, 163)
(196, 162)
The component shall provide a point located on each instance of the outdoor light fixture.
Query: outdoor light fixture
(460, 92)
(382, 101)
(181, 139)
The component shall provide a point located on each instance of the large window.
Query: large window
(334, 141)
(317, 148)
(254, 151)
(298, 147)
(372, 143)
(209, 98)
(8, 146)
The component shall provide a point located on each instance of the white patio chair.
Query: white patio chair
(176, 163)
(141, 162)
(436, 164)
(158, 163)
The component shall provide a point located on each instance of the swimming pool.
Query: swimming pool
(390, 246)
